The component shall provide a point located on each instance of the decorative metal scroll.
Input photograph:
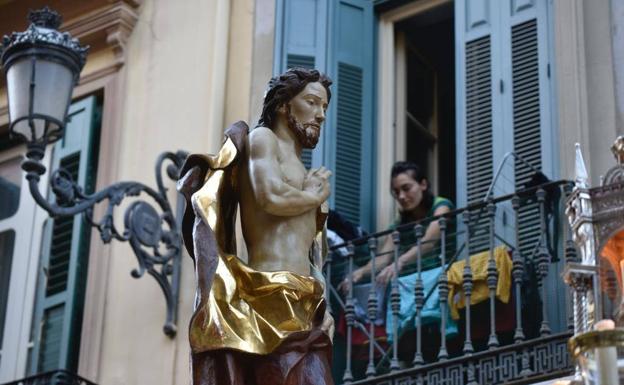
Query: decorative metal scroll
(54, 377)
(151, 230)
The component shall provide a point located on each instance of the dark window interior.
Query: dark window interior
(430, 112)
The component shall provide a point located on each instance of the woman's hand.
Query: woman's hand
(358, 274)
(387, 274)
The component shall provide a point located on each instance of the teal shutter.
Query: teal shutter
(525, 33)
(60, 291)
(305, 62)
(300, 42)
(336, 37)
(477, 111)
(350, 153)
(526, 56)
(503, 104)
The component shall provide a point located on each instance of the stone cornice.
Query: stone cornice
(109, 26)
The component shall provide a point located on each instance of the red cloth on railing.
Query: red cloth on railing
(359, 338)
(505, 314)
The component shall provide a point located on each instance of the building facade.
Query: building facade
(453, 85)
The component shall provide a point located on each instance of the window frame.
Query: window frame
(28, 223)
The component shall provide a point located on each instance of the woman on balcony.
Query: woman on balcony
(410, 188)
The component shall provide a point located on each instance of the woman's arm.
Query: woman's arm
(428, 241)
(363, 272)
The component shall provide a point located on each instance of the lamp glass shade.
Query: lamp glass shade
(53, 85)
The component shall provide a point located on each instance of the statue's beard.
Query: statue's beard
(307, 133)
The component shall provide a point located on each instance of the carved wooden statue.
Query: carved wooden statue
(264, 322)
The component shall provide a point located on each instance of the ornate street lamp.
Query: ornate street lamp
(42, 66)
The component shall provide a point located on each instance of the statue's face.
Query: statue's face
(306, 113)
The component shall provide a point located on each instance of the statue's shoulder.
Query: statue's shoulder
(261, 139)
(262, 133)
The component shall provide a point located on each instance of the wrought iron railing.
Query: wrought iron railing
(56, 377)
(451, 322)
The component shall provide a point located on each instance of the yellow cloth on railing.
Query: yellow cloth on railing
(480, 291)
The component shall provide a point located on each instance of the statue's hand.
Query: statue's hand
(317, 182)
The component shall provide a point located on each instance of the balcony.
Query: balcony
(505, 317)
(56, 377)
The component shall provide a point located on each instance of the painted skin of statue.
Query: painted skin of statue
(264, 322)
(279, 198)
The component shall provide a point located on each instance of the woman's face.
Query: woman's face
(407, 191)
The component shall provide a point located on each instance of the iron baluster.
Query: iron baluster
(570, 257)
(467, 285)
(517, 271)
(492, 277)
(543, 262)
(372, 310)
(443, 290)
(347, 378)
(419, 293)
(395, 303)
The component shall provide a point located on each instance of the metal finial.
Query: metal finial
(581, 178)
(45, 18)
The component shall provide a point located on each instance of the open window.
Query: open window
(425, 94)
(415, 95)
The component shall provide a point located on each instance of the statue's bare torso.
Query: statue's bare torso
(279, 197)
(277, 242)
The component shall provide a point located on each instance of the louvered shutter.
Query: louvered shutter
(336, 37)
(63, 267)
(503, 106)
(305, 62)
(525, 28)
(300, 42)
(350, 123)
(526, 55)
(478, 113)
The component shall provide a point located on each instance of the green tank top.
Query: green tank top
(431, 259)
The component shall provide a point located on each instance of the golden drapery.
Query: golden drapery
(246, 310)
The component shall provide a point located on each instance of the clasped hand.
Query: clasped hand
(317, 181)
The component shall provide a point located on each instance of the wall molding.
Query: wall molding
(106, 27)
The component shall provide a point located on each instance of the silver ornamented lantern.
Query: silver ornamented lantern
(596, 216)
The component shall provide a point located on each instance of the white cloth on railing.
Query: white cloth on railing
(431, 310)
(361, 292)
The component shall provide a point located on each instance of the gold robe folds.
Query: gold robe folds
(241, 312)
(254, 311)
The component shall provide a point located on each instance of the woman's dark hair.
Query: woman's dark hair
(415, 172)
(284, 87)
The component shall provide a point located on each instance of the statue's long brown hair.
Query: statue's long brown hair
(284, 87)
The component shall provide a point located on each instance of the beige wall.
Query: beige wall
(186, 73)
(585, 84)
(182, 74)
